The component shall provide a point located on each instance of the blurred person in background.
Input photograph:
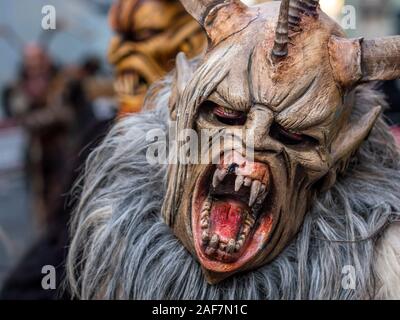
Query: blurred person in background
(55, 105)
(33, 101)
(149, 34)
(87, 94)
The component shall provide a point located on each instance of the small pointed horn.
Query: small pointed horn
(280, 49)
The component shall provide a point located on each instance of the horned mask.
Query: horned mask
(149, 34)
(285, 72)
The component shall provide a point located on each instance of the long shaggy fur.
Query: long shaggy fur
(122, 248)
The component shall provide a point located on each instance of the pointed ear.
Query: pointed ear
(353, 134)
(346, 144)
(183, 74)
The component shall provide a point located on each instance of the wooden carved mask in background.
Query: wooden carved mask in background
(149, 34)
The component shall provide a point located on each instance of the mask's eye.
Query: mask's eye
(143, 34)
(227, 116)
(290, 138)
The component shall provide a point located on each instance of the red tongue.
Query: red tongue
(226, 218)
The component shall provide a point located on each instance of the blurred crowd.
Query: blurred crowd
(66, 110)
(55, 105)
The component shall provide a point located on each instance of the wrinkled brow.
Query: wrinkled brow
(309, 111)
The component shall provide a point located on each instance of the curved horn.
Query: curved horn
(381, 59)
(310, 7)
(198, 8)
(299, 7)
(280, 49)
(295, 11)
(219, 18)
(365, 60)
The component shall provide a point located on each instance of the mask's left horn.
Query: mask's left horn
(219, 18)
(358, 60)
(199, 9)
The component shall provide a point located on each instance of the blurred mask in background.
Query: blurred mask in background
(149, 34)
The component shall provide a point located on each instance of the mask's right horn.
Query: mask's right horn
(357, 60)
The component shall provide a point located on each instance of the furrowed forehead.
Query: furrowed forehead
(302, 91)
(300, 105)
(302, 95)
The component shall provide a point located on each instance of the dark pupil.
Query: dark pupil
(282, 135)
(228, 117)
(235, 118)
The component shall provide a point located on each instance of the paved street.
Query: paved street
(16, 230)
(16, 227)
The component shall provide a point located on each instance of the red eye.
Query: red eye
(290, 138)
(229, 116)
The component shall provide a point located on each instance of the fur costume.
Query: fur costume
(122, 249)
(301, 218)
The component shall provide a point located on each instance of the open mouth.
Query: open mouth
(130, 82)
(232, 212)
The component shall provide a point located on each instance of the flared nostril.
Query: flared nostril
(232, 168)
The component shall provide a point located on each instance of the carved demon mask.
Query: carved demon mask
(286, 73)
(149, 34)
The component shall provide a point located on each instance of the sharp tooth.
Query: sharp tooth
(204, 215)
(205, 237)
(210, 251)
(238, 183)
(247, 182)
(205, 212)
(204, 224)
(207, 205)
(260, 199)
(215, 181)
(262, 194)
(246, 230)
(255, 188)
(239, 244)
(214, 241)
(219, 175)
(222, 174)
(222, 246)
(249, 221)
(231, 246)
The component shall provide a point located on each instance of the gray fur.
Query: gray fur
(123, 249)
